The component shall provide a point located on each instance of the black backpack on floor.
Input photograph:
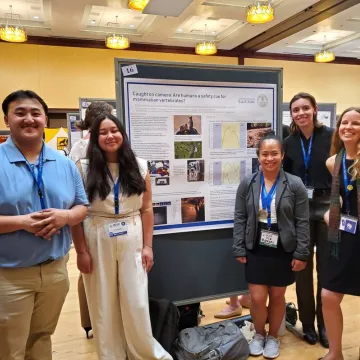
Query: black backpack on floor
(164, 317)
(189, 315)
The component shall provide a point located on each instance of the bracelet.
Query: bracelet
(148, 246)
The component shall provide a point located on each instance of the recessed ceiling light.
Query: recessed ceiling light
(179, 30)
(36, 17)
(132, 25)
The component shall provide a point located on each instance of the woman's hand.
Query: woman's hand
(298, 265)
(147, 257)
(84, 262)
(241, 259)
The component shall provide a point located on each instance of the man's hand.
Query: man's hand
(51, 220)
(28, 224)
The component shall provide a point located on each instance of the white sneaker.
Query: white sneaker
(272, 348)
(256, 345)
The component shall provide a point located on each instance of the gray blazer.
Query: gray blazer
(292, 211)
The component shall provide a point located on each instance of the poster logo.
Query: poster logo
(262, 100)
(62, 143)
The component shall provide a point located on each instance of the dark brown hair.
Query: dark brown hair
(92, 112)
(303, 95)
(97, 180)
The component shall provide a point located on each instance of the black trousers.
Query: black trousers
(308, 309)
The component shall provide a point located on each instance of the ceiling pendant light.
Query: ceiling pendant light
(324, 56)
(260, 13)
(205, 47)
(117, 41)
(138, 5)
(12, 33)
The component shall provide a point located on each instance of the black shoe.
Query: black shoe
(310, 335)
(323, 336)
(87, 330)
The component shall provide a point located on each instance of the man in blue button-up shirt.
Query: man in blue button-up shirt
(41, 195)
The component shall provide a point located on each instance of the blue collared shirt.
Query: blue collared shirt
(63, 189)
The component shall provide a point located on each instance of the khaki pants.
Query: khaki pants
(31, 300)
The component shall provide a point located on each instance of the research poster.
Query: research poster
(74, 132)
(199, 140)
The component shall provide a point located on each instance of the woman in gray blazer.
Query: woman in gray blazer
(271, 237)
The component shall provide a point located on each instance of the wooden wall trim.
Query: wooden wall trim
(241, 55)
(97, 44)
(301, 58)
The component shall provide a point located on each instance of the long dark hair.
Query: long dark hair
(97, 179)
(303, 95)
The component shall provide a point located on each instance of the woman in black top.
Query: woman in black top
(343, 267)
(306, 152)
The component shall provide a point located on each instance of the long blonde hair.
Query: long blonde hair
(337, 144)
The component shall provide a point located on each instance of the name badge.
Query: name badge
(118, 228)
(348, 224)
(310, 192)
(269, 238)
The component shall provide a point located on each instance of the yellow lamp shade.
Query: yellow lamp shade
(260, 13)
(13, 33)
(138, 5)
(324, 56)
(118, 42)
(205, 48)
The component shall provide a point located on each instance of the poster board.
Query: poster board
(326, 114)
(198, 264)
(74, 133)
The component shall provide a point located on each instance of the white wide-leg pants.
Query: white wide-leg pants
(117, 293)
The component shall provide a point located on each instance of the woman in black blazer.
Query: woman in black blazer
(271, 236)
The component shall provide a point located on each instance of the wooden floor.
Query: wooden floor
(70, 343)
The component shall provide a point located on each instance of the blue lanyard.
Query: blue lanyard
(116, 192)
(38, 179)
(349, 185)
(266, 198)
(306, 157)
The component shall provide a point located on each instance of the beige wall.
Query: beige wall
(331, 83)
(63, 74)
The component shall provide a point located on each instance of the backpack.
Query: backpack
(219, 341)
(164, 317)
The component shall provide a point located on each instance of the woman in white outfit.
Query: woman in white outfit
(114, 246)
